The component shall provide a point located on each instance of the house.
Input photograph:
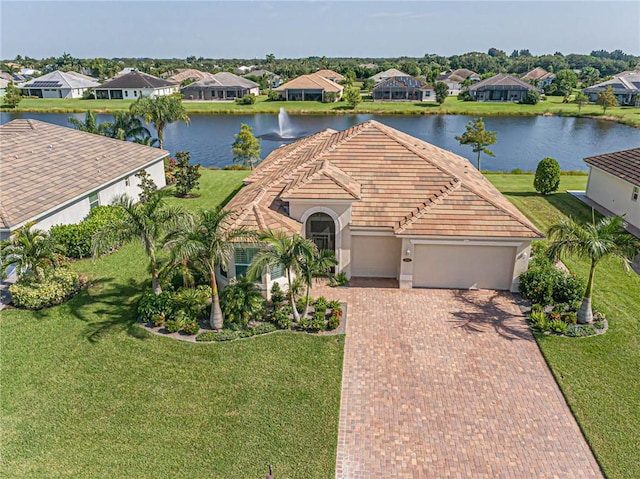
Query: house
(389, 205)
(188, 74)
(390, 73)
(455, 79)
(625, 85)
(221, 86)
(403, 89)
(133, 85)
(54, 175)
(614, 185)
(29, 72)
(59, 84)
(539, 77)
(3, 86)
(311, 87)
(500, 87)
(272, 79)
(243, 70)
(331, 75)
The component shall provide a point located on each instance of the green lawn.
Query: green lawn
(87, 393)
(552, 106)
(600, 375)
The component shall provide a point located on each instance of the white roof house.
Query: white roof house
(59, 84)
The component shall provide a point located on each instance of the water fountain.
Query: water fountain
(285, 131)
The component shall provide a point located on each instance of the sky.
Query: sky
(292, 29)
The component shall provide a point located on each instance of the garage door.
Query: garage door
(375, 256)
(445, 266)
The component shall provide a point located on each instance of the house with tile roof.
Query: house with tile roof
(456, 78)
(134, 85)
(625, 85)
(3, 86)
(390, 73)
(271, 79)
(54, 175)
(312, 87)
(188, 74)
(500, 87)
(59, 84)
(221, 86)
(403, 89)
(539, 77)
(331, 75)
(614, 185)
(390, 206)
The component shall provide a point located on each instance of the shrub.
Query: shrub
(273, 95)
(158, 320)
(191, 327)
(321, 303)
(547, 178)
(58, 285)
(539, 320)
(570, 317)
(249, 99)
(277, 295)
(465, 96)
(151, 304)
(264, 328)
(339, 279)
(187, 176)
(282, 319)
(569, 289)
(330, 97)
(301, 303)
(242, 301)
(558, 326)
(517, 171)
(193, 302)
(333, 304)
(173, 325)
(537, 283)
(333, 322)
(580, 330)
(532, 98)
(170, 165)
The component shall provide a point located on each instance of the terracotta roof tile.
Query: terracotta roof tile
(624, 164)
(312, 81)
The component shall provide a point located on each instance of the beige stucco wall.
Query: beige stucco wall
(375, 256)
(613, 193)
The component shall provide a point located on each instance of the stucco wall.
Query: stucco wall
(613, 193)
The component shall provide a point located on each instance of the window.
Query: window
(277, 272)
(126, 93)
(636, 192)
(243, 258)
(127, 181)
(93, 200)
(135, 93)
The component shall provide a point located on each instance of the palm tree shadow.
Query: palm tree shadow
(483, 314)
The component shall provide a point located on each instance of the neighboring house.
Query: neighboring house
(29, 72)
(539, 77)
(614, 184)
(6, 76)
(311, 87)
(273, 80)
(331, 75)
(389, 205)
(54, 175)
(500, 87)
(368, 66)
(221, 86)
(133, 85)
(626, 87)
(403, 89)
(185, 74)
(243, 70)
(59, 84)
(455, 78)
(3, 86)
(390, 73)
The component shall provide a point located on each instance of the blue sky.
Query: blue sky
(236, 29)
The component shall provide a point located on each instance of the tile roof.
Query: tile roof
(189, 74)
(625, 82)
(5, 83)
(501, 81)
(624, 164)
(402, 82)
(391, 72)
(135, 79)
(459, 75)
(224, 79)
(394, 181)
(537, 73)
(45, 166)
(58, 79)
(312, 81)
(331, 75)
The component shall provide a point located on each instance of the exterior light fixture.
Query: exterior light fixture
(408, 252)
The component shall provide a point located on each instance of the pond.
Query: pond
(522, 141)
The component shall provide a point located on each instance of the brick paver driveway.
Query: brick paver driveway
(450, 384)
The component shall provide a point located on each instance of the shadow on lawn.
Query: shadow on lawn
(565, 203)
(483, 314)
(107, 307)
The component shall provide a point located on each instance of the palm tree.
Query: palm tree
(285, 251)
(89, 125)
(316, 265)
(28, 249)
(125, 126)
(207, 244)
(593, 241)
(147, 221)
(160, 111)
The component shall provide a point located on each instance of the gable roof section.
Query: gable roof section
(58, 79)
(45, 166)
(538, 73)
(189, 74)
(459, 75)
(402, 82)
(224, 79)
(330, 75)
(625, 82)
(624, 164)
(395, 182)
(135, 79)
(312, 81)
(501, 81)
(391, 72)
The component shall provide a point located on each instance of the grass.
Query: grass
(552, 106)
(598, 375)
(87, 393)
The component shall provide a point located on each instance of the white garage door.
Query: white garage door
(375, 256)
(445, 266)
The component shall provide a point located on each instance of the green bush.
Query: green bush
(547, 178)
(580, 330)
(282, 319)
(333, 304)
(158, 320)
(273, 95)
(264, 328)
(537, 283)
(558, 326)
(333, 322)
(277, 295)
(249, 99)
(58, 285)
(193, 302)
(539, 320)
(242, 301)
(152, 304)
(532, 98)
(569, 289)
(191, 327)
(320, 303)
(173, 325)
(339, 279)
(301, 303)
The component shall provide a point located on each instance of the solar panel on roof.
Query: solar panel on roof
(46, 84)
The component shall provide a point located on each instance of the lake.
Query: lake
(522, 141)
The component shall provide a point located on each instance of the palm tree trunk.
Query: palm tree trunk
(215, 318)
(306, 306)
(292, 299)
(155, 280)
(160, 137)
(585, 313)
(479, 153)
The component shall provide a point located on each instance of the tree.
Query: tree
(594, 242)
(580, 99)
(125, 126)
(315, 264)
(12, 95)
(187, 175)
(606, 99)
(207, 243)
(285, 251)
(146, 221)
(532, 98)
(547, 179)
(352, 97)
(89, 125)
(28, 250)
(349, 78)
(589, 76)
(147, 186)
(246, 147)
(566, 80)
(442, 92)
(479, 138)
(160, 111)
(368, 84)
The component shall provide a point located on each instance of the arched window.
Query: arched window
(321, 229)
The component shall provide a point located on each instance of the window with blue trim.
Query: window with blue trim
(243, 258)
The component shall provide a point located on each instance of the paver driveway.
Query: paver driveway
(445, 383)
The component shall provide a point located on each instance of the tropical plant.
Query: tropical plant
(207, 243)
(89, 125)
(147, 186)
(285, 251)
(246, 147)
(442, 92)
(242, 301)
(146, 221)
(160, 111)
(478, 138)
(125, 126)
(352, 97)
(315, 264)
(606, 98)
(593, 241)
(580, 99)
(29, 250)
(12, 95)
